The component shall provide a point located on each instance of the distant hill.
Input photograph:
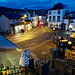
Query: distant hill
(5, 10)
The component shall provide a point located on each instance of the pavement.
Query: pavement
(38, 40)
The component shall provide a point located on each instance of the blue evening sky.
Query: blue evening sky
(36, 4)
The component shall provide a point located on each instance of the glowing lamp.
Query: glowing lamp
(25, 15)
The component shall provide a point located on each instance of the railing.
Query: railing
(64, 66)
(57, 64)
(18, 71)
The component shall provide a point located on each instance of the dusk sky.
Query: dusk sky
(36, 4)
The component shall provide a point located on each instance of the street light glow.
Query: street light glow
(25, 16)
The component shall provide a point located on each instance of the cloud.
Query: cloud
(26, 3)
(35, 4)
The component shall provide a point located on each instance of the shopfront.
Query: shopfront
(19, 28)
(16, 28)
(28, 25)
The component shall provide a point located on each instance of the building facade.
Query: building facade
(55, 15)
(71, 18)
(12, 23)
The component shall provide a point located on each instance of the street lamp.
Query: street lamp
(68, 25)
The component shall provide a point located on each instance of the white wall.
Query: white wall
(35, 21)
(55, 13)
(66, 22)
(4, 23)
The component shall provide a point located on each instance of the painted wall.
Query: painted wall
(55, 13)
(4, 23)
(34, 21)
(66, 22)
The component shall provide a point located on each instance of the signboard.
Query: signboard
(27, 52)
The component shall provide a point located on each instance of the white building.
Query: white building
(34, 19)
(71, 21)
(55, 15)
(12, 22)
(7, 19)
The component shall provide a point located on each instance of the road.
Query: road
(38, 40)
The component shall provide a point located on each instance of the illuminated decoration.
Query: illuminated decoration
(5, 72)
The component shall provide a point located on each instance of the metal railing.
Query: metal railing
(57, 64)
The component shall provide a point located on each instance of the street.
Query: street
(38, 40)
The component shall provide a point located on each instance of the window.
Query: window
(50, 12)
(58, 18)
(53, 18)
(49, 18)
(58, 11)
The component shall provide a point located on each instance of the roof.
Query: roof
(4, 10)
(69, 17)
(57, 6)
(13, 16)
(6, 44)
(27, 21)
(16, 24)
(73, 12)
(0, 14)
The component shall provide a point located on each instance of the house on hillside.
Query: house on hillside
(12, 23)
(55, 15)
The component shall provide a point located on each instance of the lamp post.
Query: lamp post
(68, 25)
(25, 16)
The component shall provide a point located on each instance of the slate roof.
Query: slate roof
(13, 16)
(6, 44)
(57, 6)
(69, 17)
